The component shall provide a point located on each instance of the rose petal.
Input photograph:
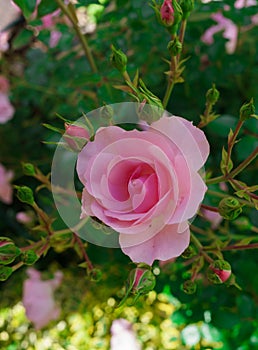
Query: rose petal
(167, 244)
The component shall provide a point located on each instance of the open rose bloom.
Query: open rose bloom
(145, 185)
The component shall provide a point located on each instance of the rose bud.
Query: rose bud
(76, 136)
(174, 47)
(140, 281)
(229, 208)
(170, 13)
(119, 59)
(187, 6)
(167, 12)
(219, 271)
(189, 287)
(8, 251)
(5, 272)
(247, 110)
(212, 95)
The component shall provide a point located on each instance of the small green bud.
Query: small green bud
(28, 169)
(189, 287)
(229, 208)
(5, 272)
(187, 7)
(212, 95)
(247, 110)
(8, 251)
(219, 271)
(119, 59)
(174, 47)
(25, 194)
(29, 257)
(189, 252)
(95, 275)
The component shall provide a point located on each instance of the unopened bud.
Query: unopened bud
(28, 169)
(29, 257)
(167, 13)
(188, 253)
(5, 272)
(247, 110)
(229, 208)
(8, 251)
(174, 47)
(76, 136)
(189, 287)
(187, 6)
(141, 280)
(95, 275)
(219, 271)
(119, 59)
(25, 194)
(212, 95)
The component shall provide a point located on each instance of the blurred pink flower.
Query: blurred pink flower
(23, 217)
(38, 298)
(230, 32)
(4, 45)
(213, 217)
(4, 85)
(6, 109)
(55, 36)
(123, 336)
(6, 191)
(239, 4)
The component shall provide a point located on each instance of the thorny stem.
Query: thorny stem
(81, 37)
(232, 140)
(199, 246)
(171, 81)
(208, 207)
(81, 246)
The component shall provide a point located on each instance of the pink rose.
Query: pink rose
(6, 109)
(6, 191)
(38, 298)
(123, 336)
(145, 185)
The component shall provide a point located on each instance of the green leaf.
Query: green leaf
(27, 6)
(46, 7)
(22, 39)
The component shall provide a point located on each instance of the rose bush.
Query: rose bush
(145, 185)
(6, 190)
